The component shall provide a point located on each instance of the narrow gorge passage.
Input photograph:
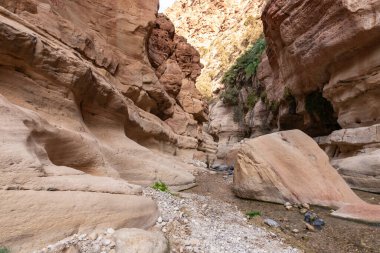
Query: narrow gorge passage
(189, 126)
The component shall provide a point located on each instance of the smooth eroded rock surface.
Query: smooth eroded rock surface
(82, 119)
(140, 241)
(290, 167)
(323, 48)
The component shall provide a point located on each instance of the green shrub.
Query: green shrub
(248, 62)
(4, 250)
(252, 99)
(253, 214)
(159, 186)
(230, 96)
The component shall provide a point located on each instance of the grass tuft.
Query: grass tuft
(253, 214)
(4, 250)
(159, 186)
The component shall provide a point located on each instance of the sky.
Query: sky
(164, 4)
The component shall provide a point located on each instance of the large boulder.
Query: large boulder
(290, 167)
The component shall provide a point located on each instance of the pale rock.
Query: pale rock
(289, 166)
(140, 241)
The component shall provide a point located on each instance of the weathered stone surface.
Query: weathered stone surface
(73, 142)
(140, 241)
(177, 65)
(361, 172)
(223, 127)
(33, 219)
(354, 152)
(220, 30)
(306, 56)
(290, 167)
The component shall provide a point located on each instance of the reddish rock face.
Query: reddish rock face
(330, 47)
(177, 65)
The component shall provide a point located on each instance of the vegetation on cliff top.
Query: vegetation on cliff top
(247, 63)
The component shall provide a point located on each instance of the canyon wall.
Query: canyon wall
(91, 106)
(220, 30)
(324, 64)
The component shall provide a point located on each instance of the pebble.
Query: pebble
(306, 205)
(93, 236)
(110, 231)
(295, 231)
(309, 227)
(271, 223)
(159, 220)
(106, 242)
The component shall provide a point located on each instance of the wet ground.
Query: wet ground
(337, 236)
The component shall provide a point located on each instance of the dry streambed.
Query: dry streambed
(191, 223)
(338, 235)
(195, 223)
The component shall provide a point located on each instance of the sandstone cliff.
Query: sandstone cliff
(323, 66)
(80, 105)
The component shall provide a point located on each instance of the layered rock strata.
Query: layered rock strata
(306, 56)
(80, 105)
(355, 153)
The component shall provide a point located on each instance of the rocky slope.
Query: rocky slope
(220, 30)
(84, 113)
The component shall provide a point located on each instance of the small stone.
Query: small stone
(93, 236)
(110, 231)
(318, 223)
(159, 220)
(309, 227)
(72, 249)
(287, 204)
(106, 242)
(288, 208)
(309, 217)
(306, 205)
(303, 210)
(82, 237)
(271, 223)
(164, 229)
(295, 231)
